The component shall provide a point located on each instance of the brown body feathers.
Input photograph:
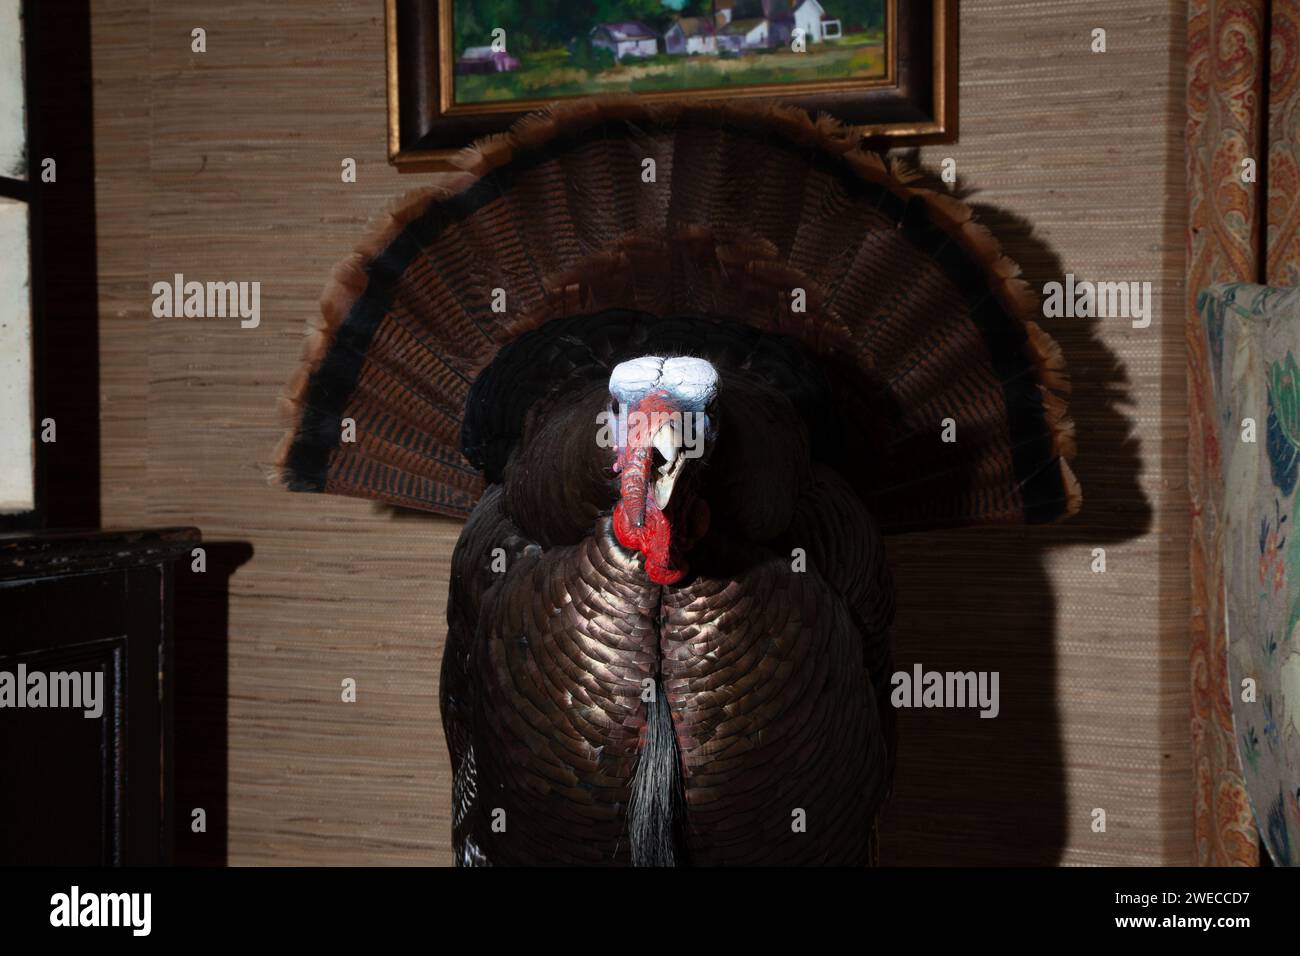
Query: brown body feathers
(851, 315)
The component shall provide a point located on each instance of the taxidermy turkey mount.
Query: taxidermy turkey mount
(679, 410)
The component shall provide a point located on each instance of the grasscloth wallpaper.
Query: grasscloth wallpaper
(225, 166)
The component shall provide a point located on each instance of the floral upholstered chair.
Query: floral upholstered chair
(1253, 338)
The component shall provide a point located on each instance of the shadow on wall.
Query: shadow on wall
(990, 792)
(200, 687)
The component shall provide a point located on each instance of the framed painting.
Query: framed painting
(461, 69)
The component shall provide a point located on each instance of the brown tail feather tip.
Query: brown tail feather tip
(755, 256)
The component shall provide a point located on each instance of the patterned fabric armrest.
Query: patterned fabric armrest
(1253, 335)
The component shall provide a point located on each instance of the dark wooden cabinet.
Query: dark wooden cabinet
(87, 619)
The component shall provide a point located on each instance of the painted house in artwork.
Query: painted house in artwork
(691, 36)
(810, 17)
(484, 59)
(738, 36)
(628, 39)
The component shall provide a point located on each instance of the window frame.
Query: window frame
(27, 191)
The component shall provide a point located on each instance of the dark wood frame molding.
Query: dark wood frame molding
(915, 104)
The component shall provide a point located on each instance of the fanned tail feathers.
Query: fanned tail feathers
(909, 303)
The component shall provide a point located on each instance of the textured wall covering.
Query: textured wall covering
(225, 166)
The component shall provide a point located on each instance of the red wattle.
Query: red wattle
(654, 539)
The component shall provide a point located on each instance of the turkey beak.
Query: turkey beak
(668, 442)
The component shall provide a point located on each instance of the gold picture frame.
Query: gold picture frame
(913, 102)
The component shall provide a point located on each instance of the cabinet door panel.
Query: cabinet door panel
(78, 789)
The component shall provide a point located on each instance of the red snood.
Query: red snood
(639, 524)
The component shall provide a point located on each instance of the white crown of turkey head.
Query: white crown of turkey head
(691, 382)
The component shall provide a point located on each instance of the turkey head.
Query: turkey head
(663, 413)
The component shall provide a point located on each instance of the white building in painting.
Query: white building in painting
(740, 35)
(627, 39)
(810, 17)
(691, 36)
(780, 19)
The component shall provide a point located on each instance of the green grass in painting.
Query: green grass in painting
(551, 74)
